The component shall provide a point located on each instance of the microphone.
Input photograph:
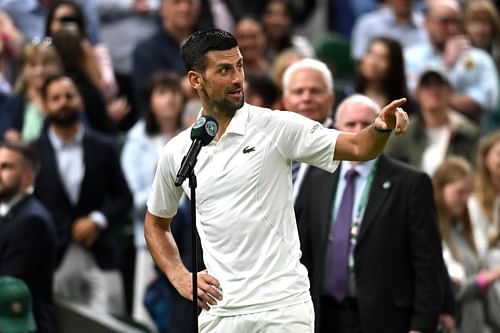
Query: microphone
(202, 133)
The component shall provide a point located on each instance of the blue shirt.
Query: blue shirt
(474, 74)
(382, 22)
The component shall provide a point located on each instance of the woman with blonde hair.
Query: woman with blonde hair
(484, 204)
(21, 115)
(453, 181)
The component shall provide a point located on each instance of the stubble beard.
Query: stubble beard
(224, 106)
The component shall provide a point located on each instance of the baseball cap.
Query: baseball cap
(431, 77)
(16, 314)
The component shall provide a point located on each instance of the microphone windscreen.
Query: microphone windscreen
(204, 129)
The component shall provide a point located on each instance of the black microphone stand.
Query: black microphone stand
(192, 186)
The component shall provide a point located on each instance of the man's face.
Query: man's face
(180, 14)
(63, 103)
(443, 21)
(308, 95)
(354, 117)
(13, 174)
(222, 81)
(434, 97)
(401, 7)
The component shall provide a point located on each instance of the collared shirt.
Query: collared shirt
(382, 22)
(245, 214)
(5, 207)
(474, 74)
(71, 167)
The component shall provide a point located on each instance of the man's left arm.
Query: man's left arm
(370, 142)
(426, 255)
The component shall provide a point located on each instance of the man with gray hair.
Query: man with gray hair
(370, 241)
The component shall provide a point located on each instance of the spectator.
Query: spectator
(397, 19)
(260, 90)
(161, 51)
(252, 41)
(437, 130)
(66, 13)
(161, 121)
(484, 204)
(27, 235)
(139, 19)
(21, 115)
(82, 184)
(377, 266)
(471, 71)
(15, 307)
(277, 17)
(452, 187)
(78, 66)
(381, 73)
(482, 27)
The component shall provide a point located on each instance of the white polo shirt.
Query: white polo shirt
(245, 215)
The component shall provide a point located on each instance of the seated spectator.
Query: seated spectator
(161, 121)
(381, 73)
(452, 187)
(437, 130)
(81, 183)
(27, 236)
(15, 307)
(397, 19)
(482, 27)
(252, 44)
(277, 17)
(471, 71)
(21, 114)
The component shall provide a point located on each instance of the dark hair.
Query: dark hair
(168, 80)
(78, 17)
(68, 45)
(262, 84)
(49, 81)
(28, 154)
(194, 50)
(286, 40)
(394, 83)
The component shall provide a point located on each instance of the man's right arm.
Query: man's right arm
(165, 253)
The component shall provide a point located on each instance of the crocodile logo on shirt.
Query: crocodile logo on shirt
(248, 149)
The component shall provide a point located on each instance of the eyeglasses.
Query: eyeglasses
(46, 41)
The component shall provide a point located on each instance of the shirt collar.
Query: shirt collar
(57, 143)
(388, 14)
(362, 168)
(238, 122)
(5, 207)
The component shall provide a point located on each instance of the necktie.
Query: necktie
(295, 170)
(340, 244)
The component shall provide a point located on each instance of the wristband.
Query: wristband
(381, 130)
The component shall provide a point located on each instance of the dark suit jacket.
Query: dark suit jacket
(103, 188)
(398, 258)
(27, 251)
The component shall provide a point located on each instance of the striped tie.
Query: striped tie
(295, 170)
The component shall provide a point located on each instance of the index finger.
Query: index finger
(396, 103)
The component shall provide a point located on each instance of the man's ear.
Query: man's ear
(194, 79)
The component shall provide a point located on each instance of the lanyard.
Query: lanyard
(356, 223)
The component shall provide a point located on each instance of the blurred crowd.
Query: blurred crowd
(97, 87)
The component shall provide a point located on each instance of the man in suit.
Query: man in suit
(82, 184)
(27, 232)
(307, 90)
(388, 275)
